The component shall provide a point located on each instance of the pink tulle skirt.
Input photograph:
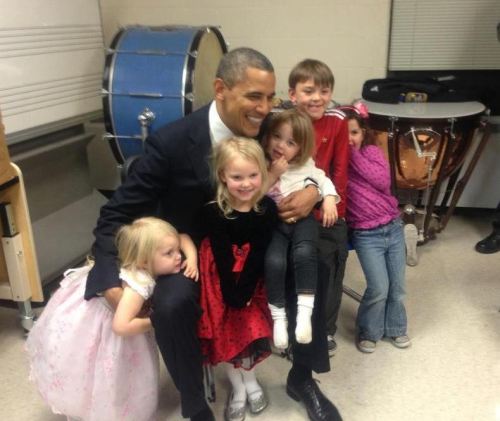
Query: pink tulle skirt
(82, 369)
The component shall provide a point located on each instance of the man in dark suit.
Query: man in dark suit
(172, 180)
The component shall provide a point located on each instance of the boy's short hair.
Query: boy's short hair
(313, 69)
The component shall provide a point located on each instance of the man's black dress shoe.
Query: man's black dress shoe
(490, 244)
(319, 407)
(204, 415)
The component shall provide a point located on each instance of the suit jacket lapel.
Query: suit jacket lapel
(200, 150)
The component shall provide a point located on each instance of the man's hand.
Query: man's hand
(298, 204)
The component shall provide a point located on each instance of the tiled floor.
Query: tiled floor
(451, 372)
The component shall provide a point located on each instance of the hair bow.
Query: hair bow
(361, 108)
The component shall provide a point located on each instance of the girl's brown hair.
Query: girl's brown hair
(352, 114)
(302, 132)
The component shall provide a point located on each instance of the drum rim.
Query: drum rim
(401, 110)
(187, 74)
(190, 60)
(385, 123)
(109, 66)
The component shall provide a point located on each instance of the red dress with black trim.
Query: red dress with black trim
(235, 325)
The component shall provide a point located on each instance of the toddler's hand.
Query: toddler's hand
(279, 166)
(329, 211)
(190, 269)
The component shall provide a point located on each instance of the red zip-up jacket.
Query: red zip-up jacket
(332, 152)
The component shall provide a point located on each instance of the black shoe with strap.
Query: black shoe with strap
(318, 406)
(490, 244)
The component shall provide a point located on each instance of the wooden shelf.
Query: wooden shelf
(16, 196)
(17, 253)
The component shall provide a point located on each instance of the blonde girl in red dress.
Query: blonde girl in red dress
(235, 327)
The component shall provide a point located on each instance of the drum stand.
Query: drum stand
(430, 167)
(458, 188)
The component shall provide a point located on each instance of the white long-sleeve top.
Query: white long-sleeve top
(298, 177)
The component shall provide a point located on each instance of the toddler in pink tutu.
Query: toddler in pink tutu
(92, 364)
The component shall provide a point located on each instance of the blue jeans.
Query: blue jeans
(296, 244)
(381, 252)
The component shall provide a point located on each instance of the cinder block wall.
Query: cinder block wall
(351, 36)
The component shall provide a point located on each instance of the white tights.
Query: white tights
(244, 382)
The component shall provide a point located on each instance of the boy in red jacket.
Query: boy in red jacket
(310, 89)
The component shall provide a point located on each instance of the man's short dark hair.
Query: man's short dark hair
(233, 65)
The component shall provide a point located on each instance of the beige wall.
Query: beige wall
(351, 36)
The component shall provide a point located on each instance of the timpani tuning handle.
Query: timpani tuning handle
(416, 144)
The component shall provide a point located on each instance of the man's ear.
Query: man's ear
(219, 89)
(291, 94)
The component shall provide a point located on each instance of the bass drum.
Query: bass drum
(155, 75)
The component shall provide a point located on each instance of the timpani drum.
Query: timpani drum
(425, 144)
(155, 75)
(417, 137)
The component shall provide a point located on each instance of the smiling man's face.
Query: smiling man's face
(244, 106)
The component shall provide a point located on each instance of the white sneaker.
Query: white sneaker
(402, 341)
